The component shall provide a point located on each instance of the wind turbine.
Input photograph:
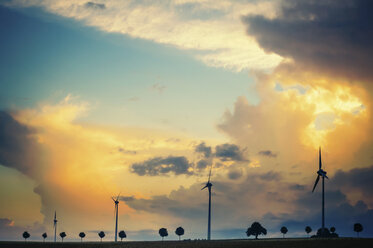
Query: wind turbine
(321, 173)
(116, 202)
(209, 185)
(55, 226)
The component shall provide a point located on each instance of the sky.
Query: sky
(141, 98)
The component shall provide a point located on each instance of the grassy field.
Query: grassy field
(263, 243)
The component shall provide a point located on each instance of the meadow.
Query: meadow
(247, 243)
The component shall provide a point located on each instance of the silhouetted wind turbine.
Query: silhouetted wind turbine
(55, 226)
(116, 202)
(209, 185)
(321, 173)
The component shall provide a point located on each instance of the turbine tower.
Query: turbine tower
(55, 226)
(116, 202)
(209, 185)
(321, 173)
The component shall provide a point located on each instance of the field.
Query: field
(263, 243)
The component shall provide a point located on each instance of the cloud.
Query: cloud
(205, 150)
(122, 150)
(272, 200)
(93, 5)
(18, 148)
(229, 152)
(202, 164)
(267, 153)
(329, 36)
(126, 198)
(231, 197)
(358, 180)
(226, 44)
(10, 231)
(234, 174)
(162, 166)
(158, 88)
(162, 204)
(270, 176)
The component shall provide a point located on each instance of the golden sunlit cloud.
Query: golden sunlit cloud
(218, 42)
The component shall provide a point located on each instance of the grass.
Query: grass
(247, 243)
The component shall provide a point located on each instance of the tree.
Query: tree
(358, 228)
(81, 235)
(323, 233)
(44, 235)
(333, 233)
(163, 232)
(179, 231)
(62, 235)
(101, 235)
(255, 230)
(122, 235)
(26, 235)
(283, 230)
(308, 229)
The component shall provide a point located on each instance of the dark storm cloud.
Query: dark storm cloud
(342, 216)
(162, 166)
(10, 231)
(93, 5)
(205, 150)
(17, 148)
(332, 36)
(231, 199)
(229, 152)
(267, 153)
(360, 179)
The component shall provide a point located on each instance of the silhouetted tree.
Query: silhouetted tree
(358, 228)
(163, 232)
(332, 229)
(62, 235)
(255, 230)
(179, 231)
(323, 232)
(26, 235)
(44, 235)
(122, 235)
(283, 230)
(101, 235)
(308, 229)
(81, 235)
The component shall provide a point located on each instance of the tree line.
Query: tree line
(255, 230)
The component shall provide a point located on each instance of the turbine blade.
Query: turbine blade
(317, 180)
(320, 164)
(204, 187)
(326, 177)
(210, 173)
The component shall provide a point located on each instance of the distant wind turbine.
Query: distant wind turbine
(321, 173)
(116, 202)
(209, 185)
(55, 226)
